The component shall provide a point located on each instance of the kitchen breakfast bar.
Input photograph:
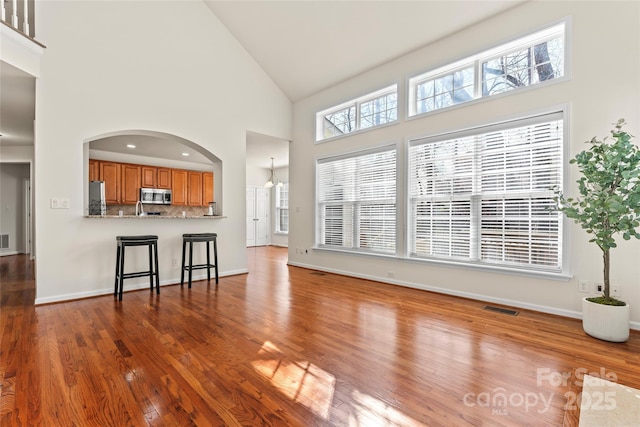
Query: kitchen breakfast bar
(155, 216)
(151, 243)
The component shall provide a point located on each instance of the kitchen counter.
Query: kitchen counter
(154, 217)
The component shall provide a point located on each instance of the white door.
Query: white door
(27, 216)
(251, 216)
(257, 216)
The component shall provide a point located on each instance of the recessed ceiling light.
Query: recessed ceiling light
(131, 146)
(185, 154)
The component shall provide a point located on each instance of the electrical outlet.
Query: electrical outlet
(583, 286)
(59, 203)
(599, 287)
(615, 291)
(391, 274)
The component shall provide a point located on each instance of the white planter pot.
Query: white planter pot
(605, 322)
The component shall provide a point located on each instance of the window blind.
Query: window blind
(488, 197)
(357, 201)
(282, 208)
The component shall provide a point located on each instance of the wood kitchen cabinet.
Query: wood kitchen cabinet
(130, 190)
(179, 183)
(163, 178)
(195, 188)
(110, 174)
(148, 176)
(124, 180)
(207, 188)
(94, 170)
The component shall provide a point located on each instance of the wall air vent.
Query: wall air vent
(501, 310)
(4, 241)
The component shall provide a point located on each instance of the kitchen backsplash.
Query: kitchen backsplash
(167, 210)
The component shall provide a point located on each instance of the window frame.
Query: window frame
(558, 29)
(279, 209)
(562, 272)
(357, 105)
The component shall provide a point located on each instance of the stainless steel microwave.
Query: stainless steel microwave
(156, 196)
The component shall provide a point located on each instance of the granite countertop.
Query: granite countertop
(155, 216)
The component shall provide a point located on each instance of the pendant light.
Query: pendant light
(273, 179)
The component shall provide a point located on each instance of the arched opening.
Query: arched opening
(161, 160)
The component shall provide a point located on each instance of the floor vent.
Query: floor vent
(319, 273)
(501, 310)
(4, 241)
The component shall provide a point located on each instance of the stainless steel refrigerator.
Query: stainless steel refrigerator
(97, 203)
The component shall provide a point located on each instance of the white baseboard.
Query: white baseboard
(127, 288)
(7, 253)
(479, 297)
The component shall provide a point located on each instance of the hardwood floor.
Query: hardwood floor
(286, 346)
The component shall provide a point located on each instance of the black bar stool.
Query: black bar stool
(123, 242)
(199, 237)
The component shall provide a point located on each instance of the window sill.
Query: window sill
(356, 132)
(560, 276)
(551, 275)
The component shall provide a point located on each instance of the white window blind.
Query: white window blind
(356, 202)
(485, 196)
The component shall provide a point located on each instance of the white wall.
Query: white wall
(165, 66)
(12, 212)
(603, 86)
(22, 154)
(256, 177)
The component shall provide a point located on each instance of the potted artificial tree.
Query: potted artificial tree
(609, 204)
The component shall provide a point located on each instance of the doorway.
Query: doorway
(16, 225)
(258, 203)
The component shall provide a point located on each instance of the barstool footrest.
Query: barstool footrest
(151, 241)
(205, 238)
(138, 274)
(198, 267)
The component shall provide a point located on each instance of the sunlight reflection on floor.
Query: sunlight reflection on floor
(300, 381)
(372, 412)
(313, 387)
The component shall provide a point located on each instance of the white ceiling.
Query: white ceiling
(304, 46)
(149, 146)
(261, 148)
(307, 46)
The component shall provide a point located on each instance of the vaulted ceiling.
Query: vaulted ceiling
(304, 47)
(307, 46)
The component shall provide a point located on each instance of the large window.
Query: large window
(356, 201)
(374, 109)
(486, 195)
(527, 61)
(282, 208)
